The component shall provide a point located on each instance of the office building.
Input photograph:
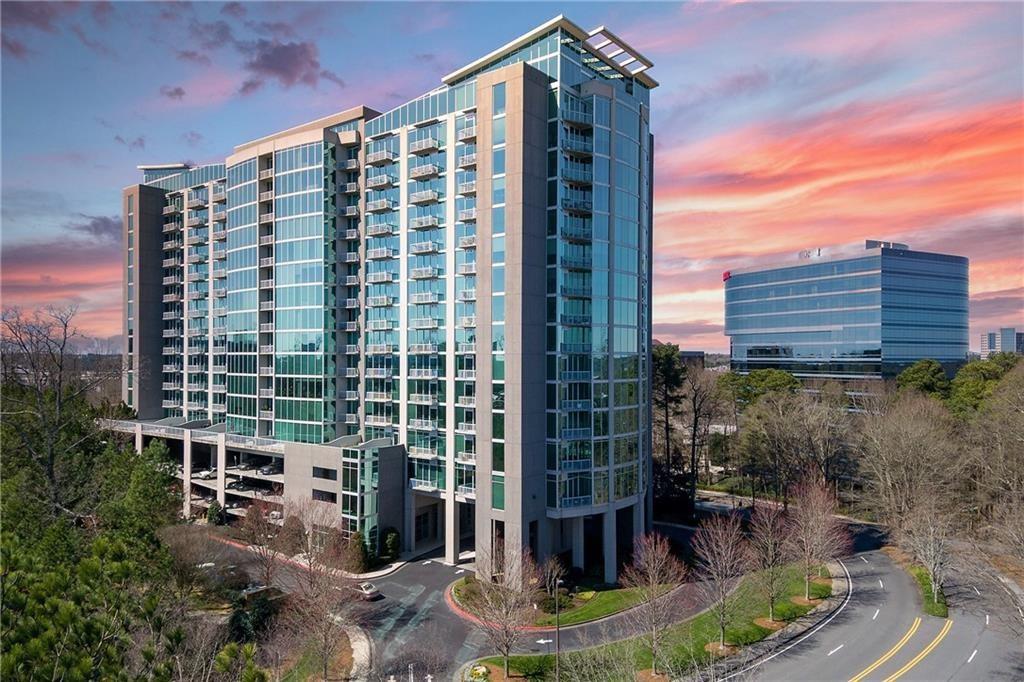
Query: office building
(1003, 340)
(866, 315)
(461, 284)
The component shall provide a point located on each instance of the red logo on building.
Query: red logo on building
(726, 275)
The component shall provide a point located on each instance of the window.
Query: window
(498, 98)
(325, 496)
(327, 474)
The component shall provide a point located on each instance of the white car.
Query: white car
(367, 591)
(207, 474)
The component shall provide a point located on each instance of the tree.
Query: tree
(504, 603)
(769, 552)
(392, 543)
(928, 535)
(189, 547)
(239, 662)
(975, 382)
(48, 427)
(908, 453)
(292, 537)
(358, 557)
(826, 425)
(815, 534)
(259, 532)
(720, 558)
(926, 376)
(214, 513)
(700, 405)
(774, 439)
(761, 382)
(654, 573)
(666, 381)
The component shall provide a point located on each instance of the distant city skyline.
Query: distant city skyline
(778, 127)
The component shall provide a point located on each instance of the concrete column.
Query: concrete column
(638, 519)
(409, 536)
(608, 542)
(138, 438)
(222, 463)
(451, 531)
(577, 542)
(186, 474)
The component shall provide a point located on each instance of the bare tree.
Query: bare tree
(769, 552)
(773, 433)
(551, 573)
(826, 426)
(598, 660)
(701, 402)
(720, 552)
(45, 412)
(654, 573)
(815, 534)
(259, 532)
(928, 536)
(504, 604)
(909, 454)
(190, 547)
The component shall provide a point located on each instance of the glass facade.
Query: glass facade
(862, 317)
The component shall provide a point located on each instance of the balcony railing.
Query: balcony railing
(423, 323)
(348, 211)
(467, 321)
(424, 273)
(424, 247)
(418, 452)
(267, 217)
(423, 373)
(466, 374)
(466, 160)
(467, 133)
(467, 188)
(467, 490)
(424, 146)
(467, 269)
(380, 205)
(465, 457)
(467, 242)
(380, 181)
(423, 399)
(427, 196)
(380, 158)
(424, 297)
(423, 424)
(381, 253)
(423, 222)
(424, 170)
(349, 187)
(423, 349)
(467, 215)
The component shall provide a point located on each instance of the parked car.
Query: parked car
(248, 466)
(235, 485)
(270, 470)
(207, 474)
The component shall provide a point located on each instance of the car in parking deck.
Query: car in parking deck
(207, 474)
(270, 469)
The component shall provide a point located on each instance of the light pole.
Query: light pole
(558, 647)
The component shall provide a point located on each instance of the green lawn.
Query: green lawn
(603, 603)
(686, 640)
(924, 581)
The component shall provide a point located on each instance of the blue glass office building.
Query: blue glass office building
(865, 316)
(466, 276)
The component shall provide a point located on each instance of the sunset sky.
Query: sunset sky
(778, 126)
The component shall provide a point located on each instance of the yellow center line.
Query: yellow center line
(924, 652)
(890, 653)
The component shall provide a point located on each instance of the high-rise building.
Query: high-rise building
(1003, 340)
(849, 317)
(449, 302)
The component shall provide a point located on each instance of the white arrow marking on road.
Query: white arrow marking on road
(461, 570)
(836, 649)
(975, 653)
(880, 583)
(876, 614)
(975, 590)
(425, 562)
(864, 560)
(544, 641)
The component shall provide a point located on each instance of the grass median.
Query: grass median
(688, 639)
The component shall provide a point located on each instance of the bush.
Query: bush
(292, 537)
(214, 514)
(392, 543)
(547, 602)
(358, 558)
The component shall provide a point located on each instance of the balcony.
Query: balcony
(576, 229)
(379, 301)
(467, 490)
(424, 247)
(172, 244)
(266, 414)
(575, 320)
(267, 174)
(378, 397)
(351, 303)
(267, 349)
(423, 349)
(467, 215)
(350, 395)
(424, 297)
(575, 262)
(466, 134)
(348, 211)
(350, 280)
(380, 277)
(220, 330)
(381, 253)
(424, 273)
(220, 292)
(467, 268)
(267, 217)
(220, 235)
(427, 196)
(348, 165)
(351, 373)
(267, 327)
(380, 349)
(467, 188)
(171, 350)
(377, 420)
(467, 321)
(171, 315)
(467, 242)
(350, 326)
(466, 161)
(423, 373)
(266, 284)
(380, 205)
(170, 404)
(378, 372)
(266, 305)
(196, 240)
(171, 263)
(349, 188)
(465, 457)
(379, 325)
(577, 176)
(173, 279)
(195, 222)
(575, 292)
(423, 323)
(380, 158)
(172, 209)
(219, 369)
(577, 116)
(424, 222)
(467, 400)
(267, 196)
(581, 206)
(424, 146)
(171, 227)
(423, 424)
(171, 333)
(576, 434)
(380, 181)
(266, 393)
(423, 485)
(418, 452)
(351, 419)
(349, 235)
(219, 196)
(423, 399)
(466, 374)
(171, 298)
(351, 257)
(380, 230)
(578, 375)
(467, 295)
(466, 427)
(578, 146)
(351, 349)
(424, 170)
(170, 386)
(170, 369)
(266, 371)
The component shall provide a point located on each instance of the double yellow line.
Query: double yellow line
(888, 654)
(899, 645)
(924, 652)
